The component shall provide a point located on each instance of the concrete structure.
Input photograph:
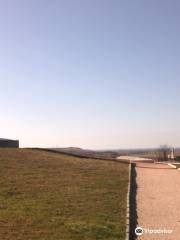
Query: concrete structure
(172, 154)
(8, 143)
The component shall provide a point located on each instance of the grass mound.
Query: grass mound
(51, 196)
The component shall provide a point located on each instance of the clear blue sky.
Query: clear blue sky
(90, 73)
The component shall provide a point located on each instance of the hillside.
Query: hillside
(52, 196)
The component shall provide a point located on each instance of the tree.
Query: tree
(163, 152)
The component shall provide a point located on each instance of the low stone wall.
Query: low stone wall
(131, 209)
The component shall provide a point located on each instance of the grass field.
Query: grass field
(51, 196)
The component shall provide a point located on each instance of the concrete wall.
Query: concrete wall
(9, 143)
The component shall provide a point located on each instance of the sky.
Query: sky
(96, 74)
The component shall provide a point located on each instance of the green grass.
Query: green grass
(51, 196)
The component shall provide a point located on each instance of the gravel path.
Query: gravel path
(158, 200)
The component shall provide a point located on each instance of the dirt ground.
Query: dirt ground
(158, 200)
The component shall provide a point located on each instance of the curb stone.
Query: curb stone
(128, 206)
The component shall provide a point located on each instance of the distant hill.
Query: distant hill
(103, 154)
(87, 153)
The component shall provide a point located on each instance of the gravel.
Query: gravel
(158, 200)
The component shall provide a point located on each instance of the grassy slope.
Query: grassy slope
(49, 196)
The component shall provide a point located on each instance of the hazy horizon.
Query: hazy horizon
(91, 74)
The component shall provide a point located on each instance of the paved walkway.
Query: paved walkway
(158, 200)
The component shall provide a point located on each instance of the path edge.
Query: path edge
(128, 203)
